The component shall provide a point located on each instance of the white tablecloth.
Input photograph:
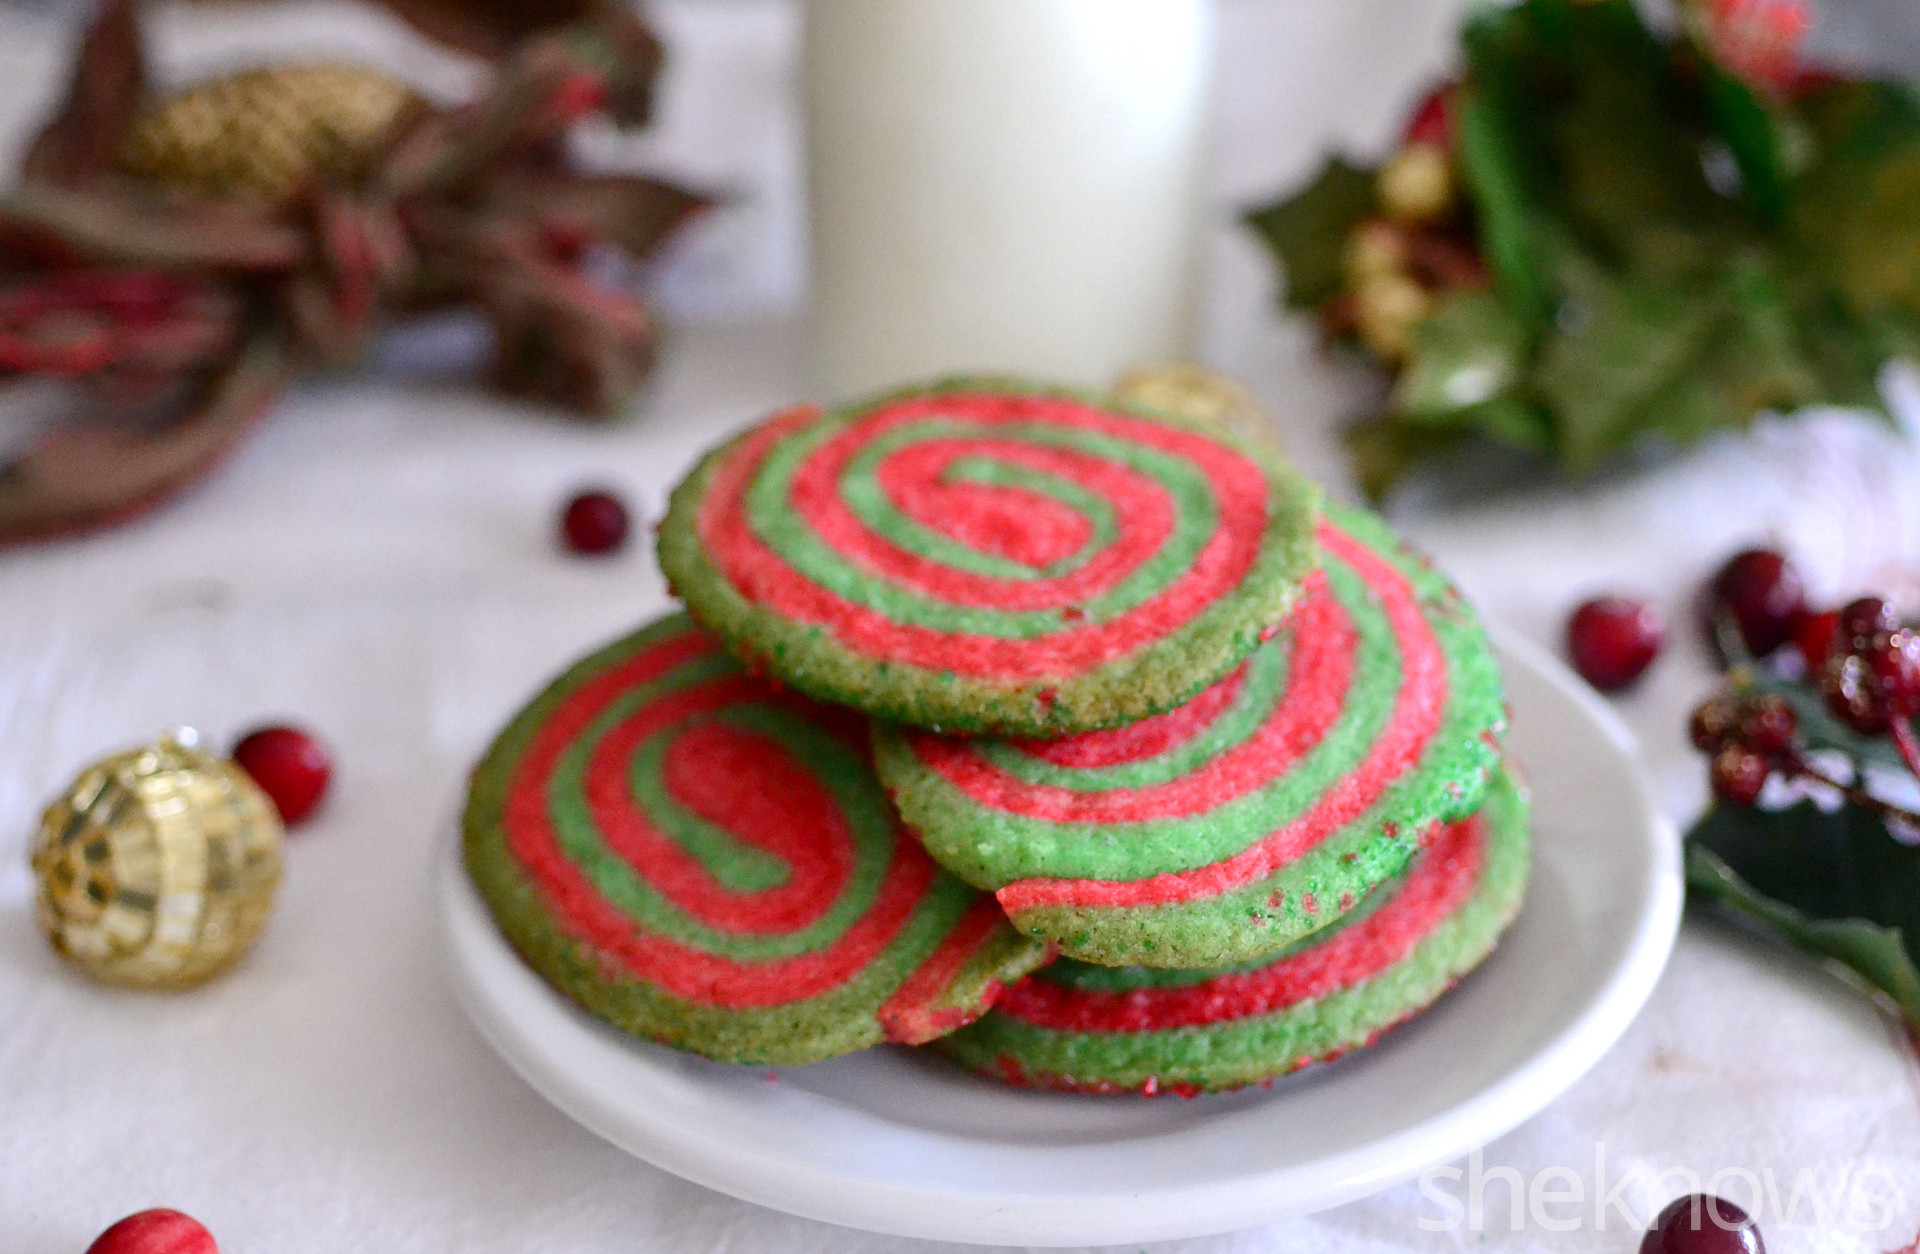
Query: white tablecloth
(377, 563)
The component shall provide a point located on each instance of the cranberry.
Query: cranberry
(1613, 640)
(594, 524)
(1814, 636)
(291, 766)
(1862, 620)
(1738, 774)
(1761, 591)
(1767, 725)
(1702, 1224)
(1848, 684)
(155, 1232)
(1432, 121)
(1895, 662)
(1713, 723)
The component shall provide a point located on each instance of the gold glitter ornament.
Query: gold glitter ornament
(157, 868)
(266, 133)
(1194, 392)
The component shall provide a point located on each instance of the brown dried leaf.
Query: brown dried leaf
(109, 79)
(78, 480)
(110, 226)
(636, 214)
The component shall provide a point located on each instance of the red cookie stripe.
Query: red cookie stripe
(1013, 523)
(1319, 671)
(1136, 742)
(1439, 885)
(787, 812)
(762, 576)
(1144, 513)
(911, 1016)
(679, 969)
(1419, 707)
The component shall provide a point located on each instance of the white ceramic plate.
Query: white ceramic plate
(900, 1142)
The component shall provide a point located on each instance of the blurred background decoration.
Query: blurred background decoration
(182, 254)
(1608, 238)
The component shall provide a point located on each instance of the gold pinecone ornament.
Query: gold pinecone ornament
(266, 133)
(158, 866)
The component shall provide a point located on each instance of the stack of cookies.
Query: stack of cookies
(1077, 739)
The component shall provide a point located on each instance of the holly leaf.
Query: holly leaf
(1855, 213)
(1383, 449)
(1493, 166)
(1308, 231)
(1621, 344)
(1837, 886)
(1758, 135)
(1468, 352)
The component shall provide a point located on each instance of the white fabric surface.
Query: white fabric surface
(376, 563)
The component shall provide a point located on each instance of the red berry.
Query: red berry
(1713, 723)
(1432, 122)
(1767, 725)
(1895, 663)
(1761, 591)
(595, 523)
(1851, 694)
(1702, 1224)
(1862, 620)
(155, 1232)
(1613, 640)
(1738, 774)
(290, 766)
(1814, 636)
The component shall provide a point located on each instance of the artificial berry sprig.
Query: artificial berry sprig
(1871, 678)
(1751, 737)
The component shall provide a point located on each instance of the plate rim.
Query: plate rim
(794, 1186)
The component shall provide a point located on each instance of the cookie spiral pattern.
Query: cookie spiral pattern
(1141, 1030)
(1262, 810)
(702, 860)
(984, 557)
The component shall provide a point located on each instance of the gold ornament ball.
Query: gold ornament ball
(1194, 392)
(157, 868)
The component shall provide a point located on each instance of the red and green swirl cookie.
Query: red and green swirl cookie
(704, 861)
(1262, 810)
(990, 557)
(1147, 1030)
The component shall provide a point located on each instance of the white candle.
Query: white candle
(1009, 186)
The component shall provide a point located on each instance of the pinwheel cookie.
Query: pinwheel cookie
(990, 556)
(704, 861)
(1262, 810)
(1143, 1030)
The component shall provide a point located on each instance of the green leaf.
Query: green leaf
(1491, 165)
(1854, 217)
(1512, 421)
(1308, 232)
(1875, 952)
(1383, 449)
(1759, 137)
(1468, 352)
(1622, 344)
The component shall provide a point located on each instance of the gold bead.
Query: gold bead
(1193, 392)
(1388, 307)
(1376, 247)
(1417, 184)
(157, 867)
